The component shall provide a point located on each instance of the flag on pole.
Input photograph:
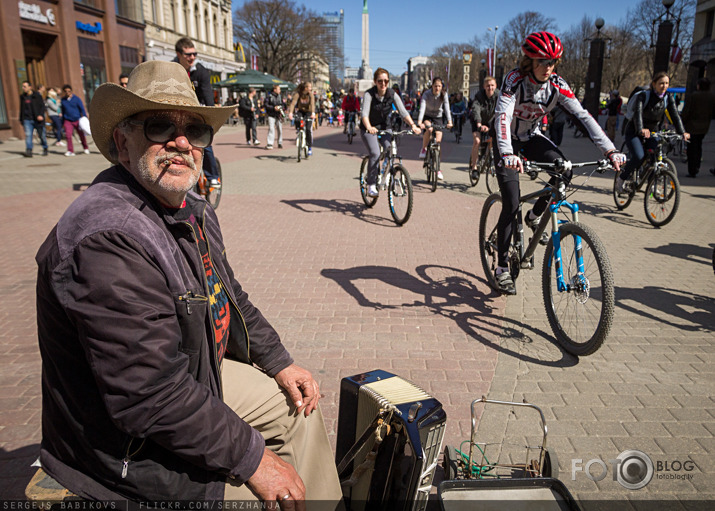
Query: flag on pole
(254, 62)
(490, 61)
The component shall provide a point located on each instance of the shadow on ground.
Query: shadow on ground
(453, 293)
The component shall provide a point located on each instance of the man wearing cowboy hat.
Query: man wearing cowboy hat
(160, 379)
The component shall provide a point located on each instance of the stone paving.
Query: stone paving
(350, 291)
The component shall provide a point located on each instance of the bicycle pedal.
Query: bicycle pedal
(528, 265)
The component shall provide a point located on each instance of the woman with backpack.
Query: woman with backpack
(646, 113)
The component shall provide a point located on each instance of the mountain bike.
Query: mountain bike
(458, 119)
(392, 177)
(662, 192)
(212, 193)
(576, 277)
(350, 127)
(431, 163)
(485, 165)
(301, 141)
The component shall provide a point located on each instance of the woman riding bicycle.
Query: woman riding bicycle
(375, 115)
(303, 103)
(481, 115)
(648, 116)
(529, 93)
(433, 105)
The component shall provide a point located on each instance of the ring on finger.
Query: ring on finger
(286, 497)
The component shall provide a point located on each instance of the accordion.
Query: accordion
(390, 435)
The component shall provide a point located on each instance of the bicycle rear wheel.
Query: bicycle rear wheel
(580, 316)
(488, 237)
(399, 194)
(662, 196)
(369, 201)
(213, 192)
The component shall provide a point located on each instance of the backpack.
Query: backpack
(631, 105)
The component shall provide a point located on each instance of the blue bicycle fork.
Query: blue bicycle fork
(556, 240)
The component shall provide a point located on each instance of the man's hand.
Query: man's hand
(686, 136)
(484, 128)
(301, 387)
(449, 125)
(645, 133)
(275, 480)
(511, 161)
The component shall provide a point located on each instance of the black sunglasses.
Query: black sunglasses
(160, 131)
(192, 54)
(546, 62)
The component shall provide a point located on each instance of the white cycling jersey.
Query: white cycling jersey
(524, 102)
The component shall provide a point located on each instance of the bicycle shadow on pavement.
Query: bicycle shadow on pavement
(344, 207)
(16, 467)
(686, 251)
(696, 311)
(445, 290)
(278, 158)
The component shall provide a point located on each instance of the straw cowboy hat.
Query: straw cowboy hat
(153, 85)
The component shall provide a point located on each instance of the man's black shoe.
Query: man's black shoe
(45, 152)
(28, 153)
(505, 283)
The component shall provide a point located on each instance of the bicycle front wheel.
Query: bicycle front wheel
(299, 142)
(581, 315)
(369, 201)
(490, 172)
(213, 192)
(488, 237)
(662, 196)
(434, 168)
(400, 194)
(623, 199)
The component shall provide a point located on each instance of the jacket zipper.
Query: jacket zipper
(243, 321)
(128, 456)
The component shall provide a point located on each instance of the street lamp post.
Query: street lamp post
(595, 71)
(665, 35)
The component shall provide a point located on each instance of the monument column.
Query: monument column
(365, 70)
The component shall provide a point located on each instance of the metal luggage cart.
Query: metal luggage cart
(476, 479)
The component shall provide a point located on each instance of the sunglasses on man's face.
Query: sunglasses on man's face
(546, 62)
(160, 131)
(191, 54)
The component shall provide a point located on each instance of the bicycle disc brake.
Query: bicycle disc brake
(580, 287)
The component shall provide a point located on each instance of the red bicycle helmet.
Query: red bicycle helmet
(542, 45)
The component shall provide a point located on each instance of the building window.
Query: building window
(94, 72)
(130, 9)
(709, 23)
(90, 3)
(206, 26)
(128, 58)
(172, 5)
(215, 33)
(154, 14)
(196, 25)
(186, 18)
(3, 110)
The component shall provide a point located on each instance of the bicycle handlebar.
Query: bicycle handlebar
(666, 135)
(394, 133)
(558, 166)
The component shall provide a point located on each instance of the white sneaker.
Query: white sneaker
(86, 151)
(215, 182)
(423, 153)
(372, 191)
(269, 147)
(256, 142)
(440, 176)
(69, 153)
(62, 143)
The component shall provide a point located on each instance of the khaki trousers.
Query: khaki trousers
(296, 439)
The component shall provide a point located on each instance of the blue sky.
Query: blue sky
(402, 29)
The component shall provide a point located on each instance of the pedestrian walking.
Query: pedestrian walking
(54, 110)
(72, 111)
(614, 108)
(697, 114)
(275, 111)
(32, 117)
(248, 110)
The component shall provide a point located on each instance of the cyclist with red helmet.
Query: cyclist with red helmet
(529, 92)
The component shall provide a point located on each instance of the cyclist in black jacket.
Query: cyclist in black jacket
(201, 79)
(482, 113)
(648, 117)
